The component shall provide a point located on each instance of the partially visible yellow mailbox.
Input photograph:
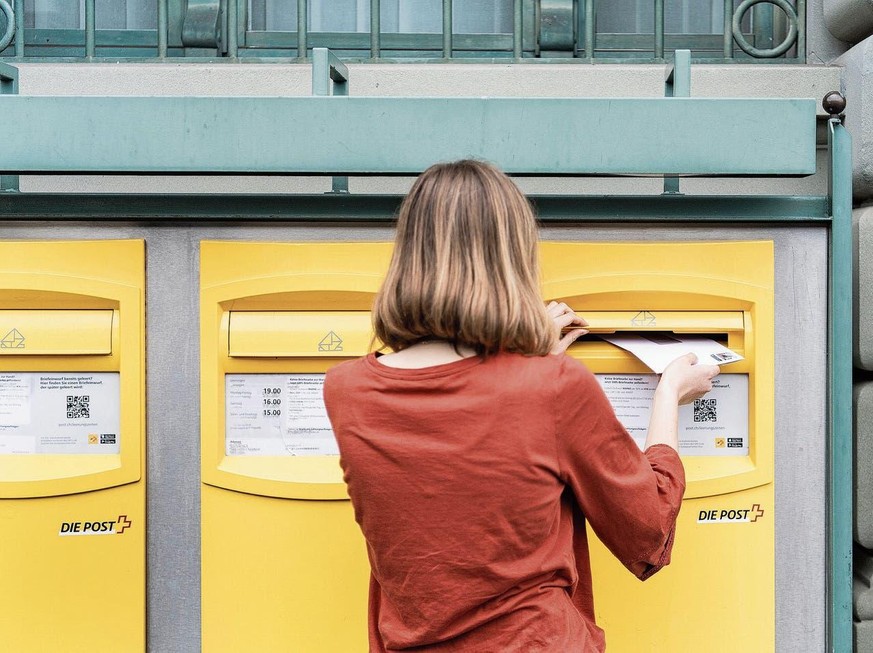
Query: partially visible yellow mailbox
(284, 563)
(72, 446)
(719, 592)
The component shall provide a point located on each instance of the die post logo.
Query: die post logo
(731, 515)
(117, 526)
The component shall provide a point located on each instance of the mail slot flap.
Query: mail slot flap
(55, 332)
(273, 334)
(702, 322)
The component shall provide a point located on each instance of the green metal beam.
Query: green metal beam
(402, 136)
(840, 508)
(172, 209)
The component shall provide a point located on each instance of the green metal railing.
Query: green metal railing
(541, 29)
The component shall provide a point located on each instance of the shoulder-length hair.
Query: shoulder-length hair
(464, 267)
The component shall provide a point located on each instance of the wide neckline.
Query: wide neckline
(443, 369)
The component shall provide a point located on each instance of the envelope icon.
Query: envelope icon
(12, 340)
(331, 342)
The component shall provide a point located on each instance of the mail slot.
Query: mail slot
(274, 318)
(723, 558)
(72, 445)
(298, 334)
(65, 332)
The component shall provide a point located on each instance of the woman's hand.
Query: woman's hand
(687, 379)
(682, 382)
(565, 317)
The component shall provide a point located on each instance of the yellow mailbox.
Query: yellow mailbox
(719, 592)
(284, 563)
(72, 446)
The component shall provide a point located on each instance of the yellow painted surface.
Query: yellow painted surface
(64, 332)
(284, 563)
(718, 594)
(80, 305)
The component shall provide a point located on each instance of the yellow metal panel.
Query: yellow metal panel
(76, 557)
(299, 333)
(717, 595)
(64, 332)
(722, 572)
(267, 308)
(282, 575)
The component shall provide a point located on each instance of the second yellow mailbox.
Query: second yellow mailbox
(284, 564)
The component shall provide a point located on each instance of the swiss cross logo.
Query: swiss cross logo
(757, 511)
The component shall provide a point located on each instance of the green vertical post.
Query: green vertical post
(232, 28)
(375, 29)
(590, 32)
(800, 8)
(163, 28)
(302, 27)
(659, 30)
(9, 86)
(728, 42)
(90, 29)
(840, 384)
(18, 10)
(447, 29)
(517, 26)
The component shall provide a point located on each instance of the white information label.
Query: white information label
(59, 413)
(716, 425)
(276, 415)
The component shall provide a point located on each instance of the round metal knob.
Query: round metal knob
(834, 103)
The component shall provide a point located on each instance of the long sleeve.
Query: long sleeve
(630, 498)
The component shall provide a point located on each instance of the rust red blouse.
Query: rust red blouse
(472, 481)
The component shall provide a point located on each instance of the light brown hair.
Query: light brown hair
(464, 267)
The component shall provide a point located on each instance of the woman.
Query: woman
(476, 450)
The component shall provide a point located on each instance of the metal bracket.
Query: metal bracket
(8, 86)
(330, 76)
(677, 83)
(556, 33)
(202, 26)
(327, 68)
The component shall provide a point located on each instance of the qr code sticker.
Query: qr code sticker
(705, 410)
(78, 407)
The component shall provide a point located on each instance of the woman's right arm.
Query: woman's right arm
(630, 498)
(681, 383)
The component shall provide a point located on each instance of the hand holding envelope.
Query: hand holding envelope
(658, 350)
